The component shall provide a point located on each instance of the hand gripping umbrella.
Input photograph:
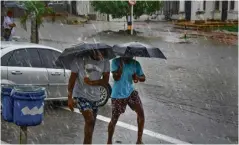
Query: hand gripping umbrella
(136, 49)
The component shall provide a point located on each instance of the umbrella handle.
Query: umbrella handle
(87, 75)
(135, 81)
(135, 65)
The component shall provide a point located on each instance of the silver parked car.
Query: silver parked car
(34, 64)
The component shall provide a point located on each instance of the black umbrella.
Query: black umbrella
(84, 49)
(136, 49)
(13, 4)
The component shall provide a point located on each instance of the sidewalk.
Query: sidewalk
(229, 38)
(2, 142)
(67, 33)
(61, 36)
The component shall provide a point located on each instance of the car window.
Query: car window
(28, 57)
(5, 58)
(49, 57)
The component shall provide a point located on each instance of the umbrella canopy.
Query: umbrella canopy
(84, 49)
(136, 49)
(13, 4)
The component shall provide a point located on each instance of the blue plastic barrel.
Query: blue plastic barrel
(7, 103)
(28, 105)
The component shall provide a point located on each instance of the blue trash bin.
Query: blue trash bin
(7, 103)
(28, 105)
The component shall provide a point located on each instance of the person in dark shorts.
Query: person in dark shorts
(87, 75)
(125, 71)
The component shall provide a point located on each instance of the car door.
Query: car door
(58, 80)
(4, 60)
(25, 68)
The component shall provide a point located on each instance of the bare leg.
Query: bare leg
(95, 115)
(118, 107)
(111, 128)
(89, 126)
(140, 120)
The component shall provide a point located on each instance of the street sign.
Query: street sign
(132, 2)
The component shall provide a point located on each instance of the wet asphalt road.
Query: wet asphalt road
(192, 97)
(65, 127)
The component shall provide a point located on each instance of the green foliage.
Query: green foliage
(119, 9)
(35, 10)
(229, 28)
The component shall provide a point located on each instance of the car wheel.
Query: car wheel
(105, 95)
(59, 103)
(110, 90)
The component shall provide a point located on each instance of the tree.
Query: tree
(35, 10)
(119, 9)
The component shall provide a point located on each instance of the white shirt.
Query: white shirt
(93, 69)
(7, 21)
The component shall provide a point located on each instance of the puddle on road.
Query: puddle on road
(176, 67)
(232, 138)
(161, 36)
(119, 142)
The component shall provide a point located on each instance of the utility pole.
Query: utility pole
(23, 134)
(132, 3)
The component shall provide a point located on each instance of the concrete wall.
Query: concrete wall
(194, 9)
(101, 17)
(85, 8)
(219, 14)
(175, 16)
(209, 14)
(208, 10)
(198, 6)
(123, 19)
(82, 7)
(233, 14)
(140, 19)
(59, 7)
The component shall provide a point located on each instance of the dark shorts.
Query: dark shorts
(119, 105)
(84, 104)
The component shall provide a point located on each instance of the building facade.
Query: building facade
(84, 8)
(201, 10)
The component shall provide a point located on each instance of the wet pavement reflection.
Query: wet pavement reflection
(192, 97)
(64, 127)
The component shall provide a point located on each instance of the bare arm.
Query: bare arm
(141, 78)
(8, 22)
(138, 75)
(101, 82)
(106, 77)
(12, 25)
(117, 74)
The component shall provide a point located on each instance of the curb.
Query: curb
(3, 142)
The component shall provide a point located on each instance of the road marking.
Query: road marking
(134, 128)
